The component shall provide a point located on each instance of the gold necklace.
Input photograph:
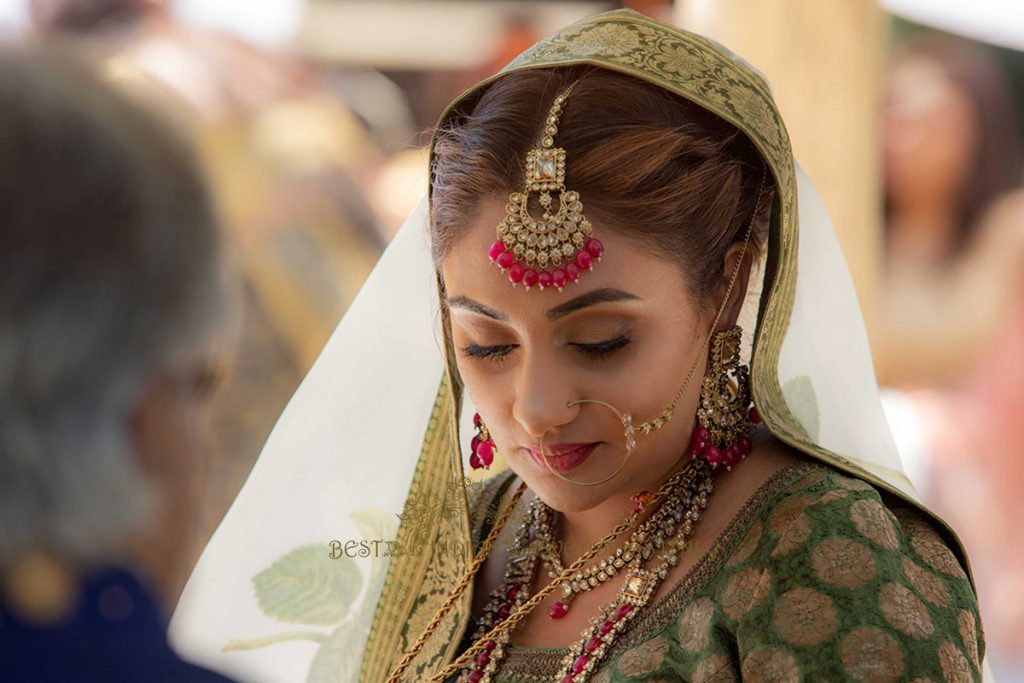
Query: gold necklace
(645, 540)
(686, 499)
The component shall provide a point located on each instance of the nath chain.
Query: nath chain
(666, 415)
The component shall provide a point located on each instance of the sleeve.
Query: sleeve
(847, 590)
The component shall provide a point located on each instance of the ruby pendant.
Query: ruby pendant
(558, 610)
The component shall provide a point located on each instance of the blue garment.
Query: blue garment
(116, 634)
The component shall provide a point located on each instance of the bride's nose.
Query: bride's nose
(542, 392)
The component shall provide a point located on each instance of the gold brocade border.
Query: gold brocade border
(413, 575)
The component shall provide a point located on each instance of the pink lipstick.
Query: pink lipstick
(562, 457)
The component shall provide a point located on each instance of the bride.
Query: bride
(651, 446)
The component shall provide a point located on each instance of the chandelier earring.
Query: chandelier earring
(724, 410)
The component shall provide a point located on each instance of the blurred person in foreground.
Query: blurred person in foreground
(111, 297)
(293, 151)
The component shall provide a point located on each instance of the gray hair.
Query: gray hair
(110, 271)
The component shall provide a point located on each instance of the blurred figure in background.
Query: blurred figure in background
(952, 152)
(951, 327)
(112, 294)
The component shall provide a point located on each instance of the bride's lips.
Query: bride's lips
(562, 457)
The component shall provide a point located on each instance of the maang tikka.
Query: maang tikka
(557, 248)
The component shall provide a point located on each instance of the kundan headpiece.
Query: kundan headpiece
(558, 247)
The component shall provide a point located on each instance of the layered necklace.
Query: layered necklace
(645, 559)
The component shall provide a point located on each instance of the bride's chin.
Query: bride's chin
(564, 497)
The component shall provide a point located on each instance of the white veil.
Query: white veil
(337, 466)
(267, 603)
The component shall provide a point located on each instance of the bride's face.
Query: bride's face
(626, 334)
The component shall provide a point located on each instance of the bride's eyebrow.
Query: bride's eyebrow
(591, 298)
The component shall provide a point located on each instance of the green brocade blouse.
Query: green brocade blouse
(816, 578)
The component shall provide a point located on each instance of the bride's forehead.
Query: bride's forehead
(468, 271)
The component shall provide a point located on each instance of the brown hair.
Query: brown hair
(678, 179)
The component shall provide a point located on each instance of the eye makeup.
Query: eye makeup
(596, 351)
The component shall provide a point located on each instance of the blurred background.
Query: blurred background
(312, 115)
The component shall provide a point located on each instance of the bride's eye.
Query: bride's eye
(597, 350)
(494, 353)
(605, 348)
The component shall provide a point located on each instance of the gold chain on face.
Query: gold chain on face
(666, 415)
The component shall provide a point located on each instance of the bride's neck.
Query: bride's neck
(579, 531)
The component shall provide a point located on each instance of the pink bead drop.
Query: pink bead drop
(584, 260)
(592, 644)
(558, 278)
(515, 273)
(476, 419)
(699, 441)
(474, 461)
(573, 271)
(485, 451)
(496, 250)
(475, 676)
(482, 659)
(713, 455)
(544, 279)
(731, 455)
(503, 610)
(512, 592)
(505, 259)
(605, 627)
(474, 444)
(754, 416)
(530, 277)
(594, 247)
(558, 610)
(580, 663)
(490, 645)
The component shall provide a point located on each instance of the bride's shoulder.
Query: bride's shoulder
(831, 560)
(795, 505)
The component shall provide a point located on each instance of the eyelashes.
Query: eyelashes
(605, 348)
(487, 352)
(596, 351)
